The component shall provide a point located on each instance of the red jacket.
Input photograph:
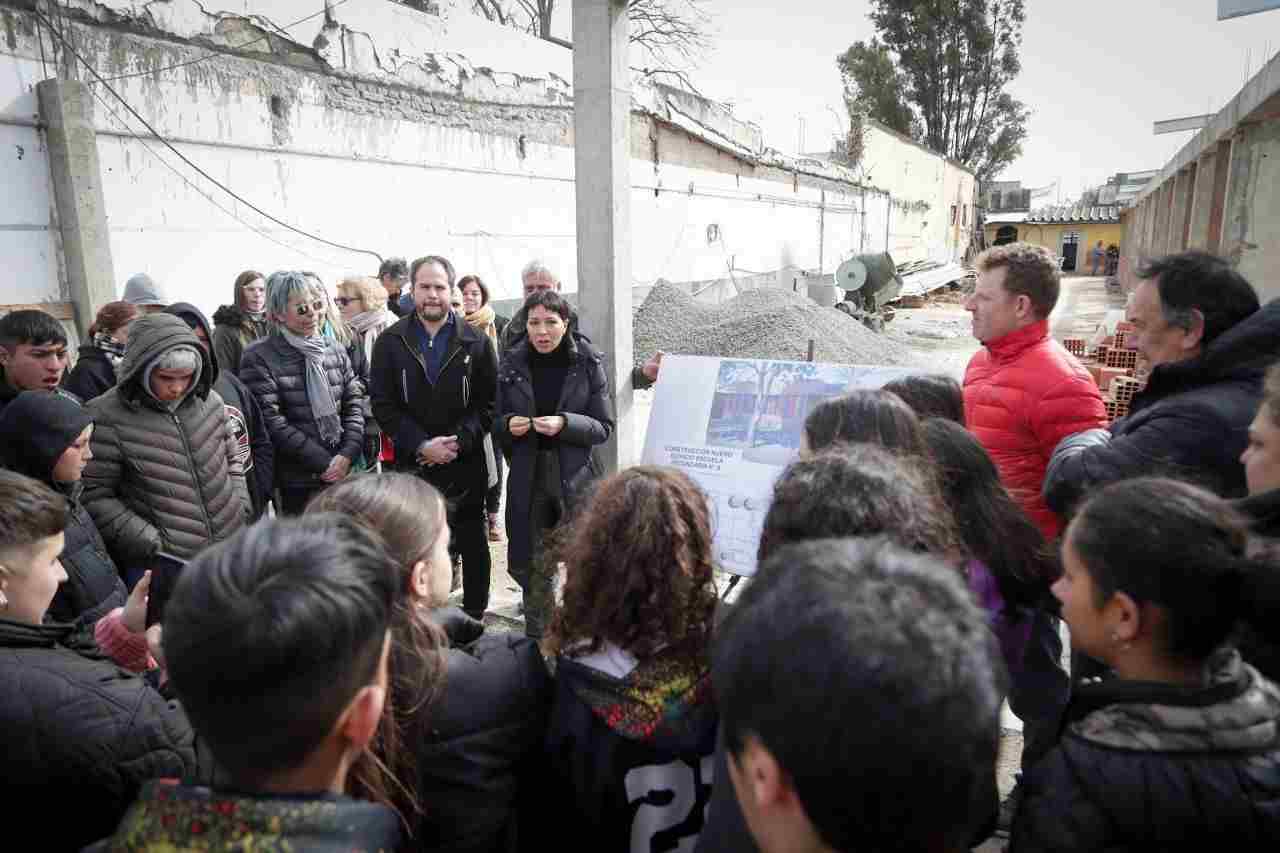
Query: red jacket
(1023, 394)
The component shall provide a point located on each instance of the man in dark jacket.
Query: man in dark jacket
(33, 353)
(310, 396)
(1208, 344)
(393, 274)
(432, 386)
(78, 734)
(46, 436)
(243, 415)
(165, 473)
(277, 645)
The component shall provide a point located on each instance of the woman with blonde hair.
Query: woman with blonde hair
(362, 302)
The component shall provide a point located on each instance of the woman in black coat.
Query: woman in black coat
(77, 732)
(45, 435)
(1181, 748)
(95, 370)
(553, 409)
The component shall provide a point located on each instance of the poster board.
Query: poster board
(733, 424)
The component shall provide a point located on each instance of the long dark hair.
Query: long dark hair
(865, 415)
(993, 528)
(656, 594)
(1183, 549)
(408, 514)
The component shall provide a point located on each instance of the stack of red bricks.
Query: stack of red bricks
(1114, 366)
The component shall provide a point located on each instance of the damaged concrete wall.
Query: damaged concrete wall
(383, 128)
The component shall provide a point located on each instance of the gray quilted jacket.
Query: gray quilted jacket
(161, 480)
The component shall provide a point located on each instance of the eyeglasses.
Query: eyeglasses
(304, 309)
(344, 301)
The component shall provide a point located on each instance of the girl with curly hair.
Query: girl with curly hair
(633, 691)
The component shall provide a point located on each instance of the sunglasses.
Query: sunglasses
(344, 301)
(304, 309)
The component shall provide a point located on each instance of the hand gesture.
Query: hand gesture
(155, 636)
(650, 368)
(338, 468)
(518, 426)
(440, 450)
(549, 426)
(135, 609)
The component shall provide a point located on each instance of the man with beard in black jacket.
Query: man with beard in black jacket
(1208, 344)
(256, 452)
(432, 386)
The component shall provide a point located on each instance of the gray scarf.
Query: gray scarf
(323, 407)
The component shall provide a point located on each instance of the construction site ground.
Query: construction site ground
(940, 332)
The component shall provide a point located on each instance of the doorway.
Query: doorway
(1006, 234)
(1070, 250)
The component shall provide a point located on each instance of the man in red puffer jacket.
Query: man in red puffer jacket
(1023, 392)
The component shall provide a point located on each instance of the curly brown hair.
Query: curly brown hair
(640, 569)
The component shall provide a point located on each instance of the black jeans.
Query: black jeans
(538, 578)
(469, 526)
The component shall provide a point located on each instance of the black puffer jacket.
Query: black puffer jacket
(1263, 511)
(35, 430)
(480, 763)
(587, 408)
(80, 733)
(411, 409)
(276, 373)
(162, 480)
(93, 374)
(1191, 421)
(1151, 767)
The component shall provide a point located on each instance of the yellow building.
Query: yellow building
(1068, 232)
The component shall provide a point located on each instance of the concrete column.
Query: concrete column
(1182, 209)
(1201, 202)
(1160, 233)
(66, 107)
(602, 162)
(1251, 220)
(1221, 173)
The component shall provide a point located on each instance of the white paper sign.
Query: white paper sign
(733, 424)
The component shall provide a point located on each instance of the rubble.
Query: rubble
(759, 323)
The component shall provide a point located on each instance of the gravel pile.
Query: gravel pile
(760, 323)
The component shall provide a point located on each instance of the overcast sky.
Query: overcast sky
(1096, 73)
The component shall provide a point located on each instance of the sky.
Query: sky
(1096, 75)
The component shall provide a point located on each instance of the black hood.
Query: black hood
(191, 314)
(36, 428)
(227, 315)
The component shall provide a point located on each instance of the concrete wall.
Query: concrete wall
(1221, 192)
(397, 132)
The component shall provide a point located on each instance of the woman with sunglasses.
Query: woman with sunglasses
(362, 302)
(310, 396)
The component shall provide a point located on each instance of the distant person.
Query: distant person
(96, 363)
(253, 443)
(277, 642)
(553, 409)
(1097, 259)
(432, 388)
(143, 291)
(241, 323)
(78, 730)
(309, 394)
(1180, 750)
(857, 722)
(536, 277)
(363, 304)
(464, 747)
(634, 719)
(1199, 328)
(1023, 392)
(33, 353)
(46, 436)
(393, 275)
(930, 395)
(481, 317)
(165, 472)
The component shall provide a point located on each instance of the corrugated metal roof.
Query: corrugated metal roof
(1075, 213)
(1006, 218)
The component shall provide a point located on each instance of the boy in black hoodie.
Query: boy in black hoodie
(256, 452)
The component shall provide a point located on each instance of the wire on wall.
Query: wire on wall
(123, 102)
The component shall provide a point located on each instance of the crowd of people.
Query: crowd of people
(323, 470)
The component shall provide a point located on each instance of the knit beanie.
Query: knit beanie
(141, 289)
(36, 429)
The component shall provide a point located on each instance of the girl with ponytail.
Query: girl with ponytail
(1181, 749)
